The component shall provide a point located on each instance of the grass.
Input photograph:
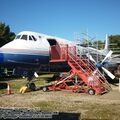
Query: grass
(43, 79)
(46, 105)
(89, 110)
(62, 103)
(17, 83)
(56, 106)
(99, 111)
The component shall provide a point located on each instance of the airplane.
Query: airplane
(29, 52)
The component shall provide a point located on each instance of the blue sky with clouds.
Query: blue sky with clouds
(62, 18)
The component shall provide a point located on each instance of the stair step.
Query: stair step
(74, 64)
(80, 66)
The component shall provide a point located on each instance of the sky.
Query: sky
(63, 18)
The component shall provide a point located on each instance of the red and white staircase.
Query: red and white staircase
(89, 78)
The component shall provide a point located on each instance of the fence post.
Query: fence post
(119, 84)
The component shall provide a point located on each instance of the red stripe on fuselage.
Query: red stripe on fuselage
(21, 50)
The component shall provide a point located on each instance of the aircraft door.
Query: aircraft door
(54, 49)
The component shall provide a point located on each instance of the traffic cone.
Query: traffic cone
(8, 89)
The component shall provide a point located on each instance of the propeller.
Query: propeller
(91, 58)
(108, 73)
(100, 65)
(107, 56)
(36, 75)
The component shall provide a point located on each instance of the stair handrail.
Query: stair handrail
(102, 79)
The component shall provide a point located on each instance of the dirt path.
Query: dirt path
(105, 106)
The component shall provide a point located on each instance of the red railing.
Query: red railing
(59, 53)
(84, 68)
(54, 52)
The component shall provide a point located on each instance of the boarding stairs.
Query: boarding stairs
(90, 78)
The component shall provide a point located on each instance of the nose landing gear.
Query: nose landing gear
(30, 86)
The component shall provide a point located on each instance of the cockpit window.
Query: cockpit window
(30, 38)
(18, 36)
(34, 38)
(24, 37)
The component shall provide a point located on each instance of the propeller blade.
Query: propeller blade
(36, 75)
(108, 73)
(108, 55)
(91, 58)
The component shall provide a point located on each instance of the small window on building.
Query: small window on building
(30, 38)
(34, 38)
(24, 37)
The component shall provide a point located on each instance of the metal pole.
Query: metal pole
(119, 84)
(76, 80)
(67, 52)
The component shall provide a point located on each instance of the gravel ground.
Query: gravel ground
(97, 107)
(105, 106)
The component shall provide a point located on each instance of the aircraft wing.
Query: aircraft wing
(114, 60)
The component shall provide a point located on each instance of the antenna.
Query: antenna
(77, 42)
(106, 43)
(97, 53)
(89, 39)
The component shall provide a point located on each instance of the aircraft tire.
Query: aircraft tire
(32, 86)
(91, 92)
(45, 89)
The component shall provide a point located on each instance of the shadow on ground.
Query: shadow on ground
(3, 85)
(32, 114)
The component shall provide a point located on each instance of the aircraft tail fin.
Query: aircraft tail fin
(106, 42)
(106, 48)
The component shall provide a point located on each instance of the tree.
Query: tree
(5, 34)
(99, 44)
(115, 43)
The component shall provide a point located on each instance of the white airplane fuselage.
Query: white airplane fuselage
(29, 50)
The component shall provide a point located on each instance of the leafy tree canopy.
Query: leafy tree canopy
(115, 39)
(5, 34)
(115, 43)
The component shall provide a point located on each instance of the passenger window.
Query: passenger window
(24, 37)
(34, 38)
(30, 38)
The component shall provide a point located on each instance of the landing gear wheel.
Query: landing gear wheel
(91, 91)
(45, 89)
(32, 86)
